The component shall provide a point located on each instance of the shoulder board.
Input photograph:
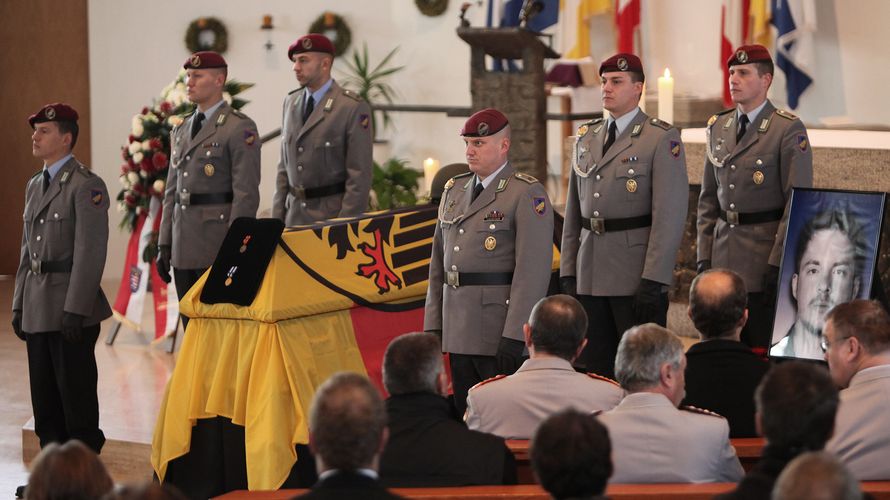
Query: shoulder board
(700, 411)
(660, 123)
(37, 173)
(488, 381)
(786, 114)
(83, 170)
(449, 184)
(459, 176)
(525, 177)
(595, 121)
(714, 117)
(352, 95)
(597, 413)
(295, 90)
(238, 113)
(604, 379)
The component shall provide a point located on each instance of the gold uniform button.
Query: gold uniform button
(185, 174)
(457, 249)
(596, 195)
(630, 171)
(56, 215)
(188, 157)
(300, 149)
(299, 168)
(732, 206)
(453, 267)
(41, 221)
(732, 186)
(596, 213)
(732, 167)
(598, 177)
(759, 162)
(491, 226)
(461, 230)
(39, 238)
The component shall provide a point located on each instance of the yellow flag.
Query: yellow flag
(575, 19)
(759, 30)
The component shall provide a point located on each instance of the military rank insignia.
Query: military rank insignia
(96, 196)
(540, 204)
(364, 120)
(802, 143)
(675, 149)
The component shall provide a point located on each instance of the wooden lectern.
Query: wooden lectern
(520, 95)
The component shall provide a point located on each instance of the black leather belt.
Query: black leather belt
(456, 279)
(734, 217)
(599, 225)
(302, 193)
(189, 199)
(51, 266)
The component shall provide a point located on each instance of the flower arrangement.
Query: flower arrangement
(147, 153)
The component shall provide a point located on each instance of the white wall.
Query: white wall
(136, 48)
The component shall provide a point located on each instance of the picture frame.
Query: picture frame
(832, 240)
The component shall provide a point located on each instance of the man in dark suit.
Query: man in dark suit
(427, 445)
(347, 433)
(722, 372)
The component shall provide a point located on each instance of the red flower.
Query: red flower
(166, 107)
(130, 199)
(138, 188)
(125, 168)
(125, 153)
(146, 164)
(132, 138)
(159, 159)
(155, 143)
(145, 110)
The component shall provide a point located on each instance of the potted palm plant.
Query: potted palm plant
(370, 83)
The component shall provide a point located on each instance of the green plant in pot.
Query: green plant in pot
(394, 185)
(370, 83)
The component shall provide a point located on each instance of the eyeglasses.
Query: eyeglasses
(826, 344)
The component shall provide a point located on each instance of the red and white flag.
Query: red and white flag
(627, 21)
(734, 32)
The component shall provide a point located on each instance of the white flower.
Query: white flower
(174, 120)
(137, 156)
(136, 126)
(133, 177)
(151, 117)
(228, 98)
(143, 174)
(146, 145)
(134, 148)
(124, 181)
(158, 186)
(121, 206)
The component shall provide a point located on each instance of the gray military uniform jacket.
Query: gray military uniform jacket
(655, 442)
(332, 147)
(643, 172)
(861, 438)
(67, 223)
(513, 407)
(507, 228)
(223, 158)
(755, 175)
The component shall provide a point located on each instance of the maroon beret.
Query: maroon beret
(56, 112)
(204, 60)
(747, 54)
(622, 62)
(483, 123)
(312, 42)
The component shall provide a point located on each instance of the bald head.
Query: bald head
(718, 304)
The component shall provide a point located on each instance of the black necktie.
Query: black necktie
(743, 126)
(310, 105)
(196, 124)
(46, 179)
(613, 131)
(476, 190)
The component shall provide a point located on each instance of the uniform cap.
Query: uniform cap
(747, 54)
(312, 42)
(483, 123)
(204, 60)
(622, 62)
(57, 112)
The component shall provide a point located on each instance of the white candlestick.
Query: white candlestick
(666, 97)
(430, 167)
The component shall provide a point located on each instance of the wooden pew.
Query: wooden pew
(747, 449)
(880, 490)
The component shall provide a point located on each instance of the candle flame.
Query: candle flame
(667, 73)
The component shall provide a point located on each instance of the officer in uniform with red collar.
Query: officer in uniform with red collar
(213, 179)
(625, 215)
(491, 259)
(755, 155)
(58, 302)
(326, 162)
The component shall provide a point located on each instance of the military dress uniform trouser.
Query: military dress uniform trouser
(758, 331)
(607, 320)
(63, 388)
(468, 370)
(185, 279)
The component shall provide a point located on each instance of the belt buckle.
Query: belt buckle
(36, 266)
(732, 217)
(185, 199)
(452, 278)
(299, 192)
(598, 225)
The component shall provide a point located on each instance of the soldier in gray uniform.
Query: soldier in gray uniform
(513, 406)
(491, 258)
(326, 163)
(654, 441)
(755, 155)
(213, 179)
(58, 303)
(625, 215)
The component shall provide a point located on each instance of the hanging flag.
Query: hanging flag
(734, 31)
(759, 24)
(574, 21)
(795, 21)
(627, 20)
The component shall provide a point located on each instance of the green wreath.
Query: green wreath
(202, 25)
(329, 21)
(432, 8)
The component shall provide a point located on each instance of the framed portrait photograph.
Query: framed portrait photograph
(831, 247)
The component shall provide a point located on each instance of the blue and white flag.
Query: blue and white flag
(795, 21)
